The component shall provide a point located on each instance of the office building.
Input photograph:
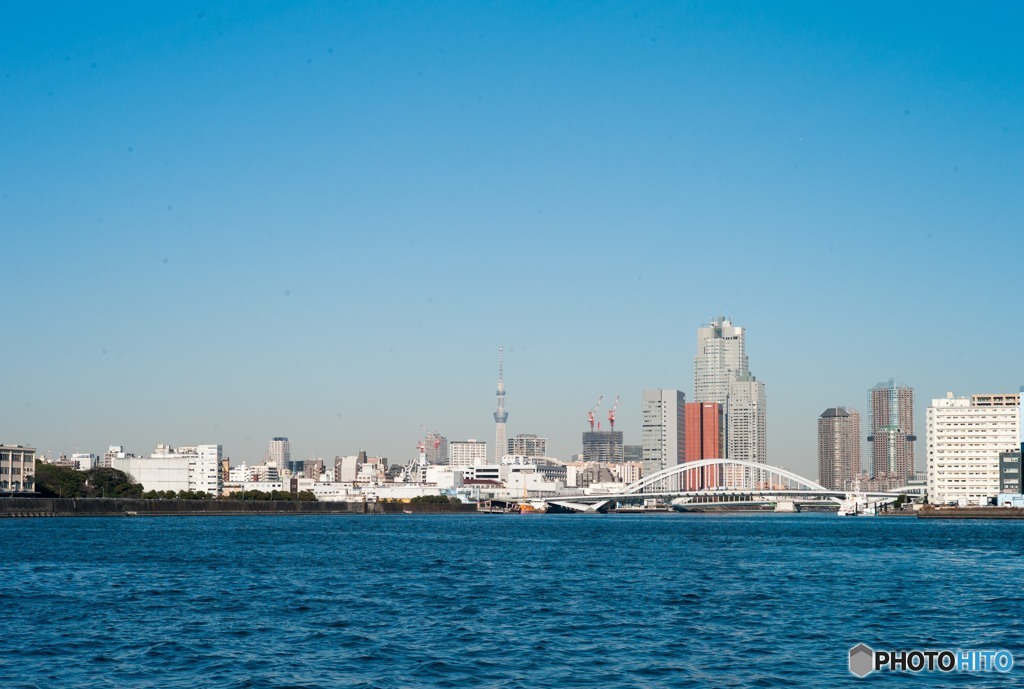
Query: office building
(663, 430)
(1009, 473)
(721, 358)
(633, 453)
(838, 447)
(965, 437)
(705, 439)
(746, 432)
(17, 469)
(721, 374)
(191, 468)
(891, 430)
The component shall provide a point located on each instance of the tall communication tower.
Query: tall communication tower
(500, 416)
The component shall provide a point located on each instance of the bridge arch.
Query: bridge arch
(680, 470)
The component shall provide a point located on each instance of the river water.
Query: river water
(499, 600)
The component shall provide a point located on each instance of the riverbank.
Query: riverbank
(115, 507)
(971, 513)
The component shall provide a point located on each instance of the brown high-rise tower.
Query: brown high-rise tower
(838, 447)
(891, 430)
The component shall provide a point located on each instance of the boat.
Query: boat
(856, 503)
(533, 507)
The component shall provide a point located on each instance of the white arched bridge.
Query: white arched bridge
(716, 482)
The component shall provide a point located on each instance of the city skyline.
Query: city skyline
(227, 224)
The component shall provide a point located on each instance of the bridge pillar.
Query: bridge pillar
(786, 506)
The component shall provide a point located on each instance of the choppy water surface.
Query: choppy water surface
(498, 601)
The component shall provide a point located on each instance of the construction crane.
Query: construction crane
(611, 413)
(593, 410)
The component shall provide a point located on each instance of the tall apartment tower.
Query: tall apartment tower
(838, 447)
(279, 451)
(663, 433)
(747, 420)
(705, 439)
(500, 416)
(891, 430)
(528, 445)
(467, 453)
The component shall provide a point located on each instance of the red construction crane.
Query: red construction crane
(611, 413)
(593, 410)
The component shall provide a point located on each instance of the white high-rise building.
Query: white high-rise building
(279, 452)
(467, 453)
(965, 437)
(663, 431)
(721, 358)
(721, 374)
(746, 427)
(747, 420)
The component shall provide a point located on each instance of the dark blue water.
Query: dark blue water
(498, 601)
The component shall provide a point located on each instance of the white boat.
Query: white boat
(856, 503)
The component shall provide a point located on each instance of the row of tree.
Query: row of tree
(64, 482)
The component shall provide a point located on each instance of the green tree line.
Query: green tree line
(63, 482)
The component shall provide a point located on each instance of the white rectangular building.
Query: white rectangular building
(467, 453)
(17, 468)
(965, 437)
(663, 433)
(194, 468)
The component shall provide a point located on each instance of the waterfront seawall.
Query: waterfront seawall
(108, 507)
(971, 513)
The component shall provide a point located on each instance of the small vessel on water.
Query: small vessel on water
(533, 507)
(856, 503)
(527, 506)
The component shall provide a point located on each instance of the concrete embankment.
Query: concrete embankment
(107, 507)
(971, 513)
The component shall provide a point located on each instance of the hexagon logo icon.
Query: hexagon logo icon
(862, 660)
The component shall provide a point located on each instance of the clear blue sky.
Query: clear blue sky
(223, 222)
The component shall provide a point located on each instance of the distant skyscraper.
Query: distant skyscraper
(632, 453)
(705, 439)
(721, 374)
(838, 447)
(721, 358)
(279, 451)
(663, 430)
(500, 416)
(747, 419)
(891, 430)
(528, 445)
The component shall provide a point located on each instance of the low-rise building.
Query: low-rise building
(17, 469)
(193, 468)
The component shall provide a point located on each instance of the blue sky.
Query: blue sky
(225, 222)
